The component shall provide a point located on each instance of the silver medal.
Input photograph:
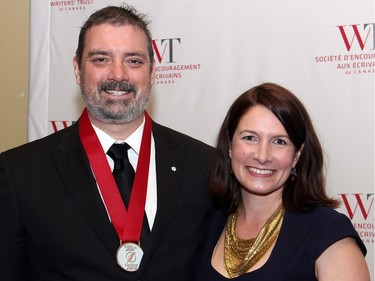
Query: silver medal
(129, 256)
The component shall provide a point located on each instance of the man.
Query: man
(61, 213)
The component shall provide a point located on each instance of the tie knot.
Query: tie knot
(119, 151)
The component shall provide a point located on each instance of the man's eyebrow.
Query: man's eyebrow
(97, 52)
(107, 53)
(135, 54)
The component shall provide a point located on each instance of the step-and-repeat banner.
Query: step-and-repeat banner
(208, 52)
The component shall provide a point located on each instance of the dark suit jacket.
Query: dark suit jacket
(54, 226)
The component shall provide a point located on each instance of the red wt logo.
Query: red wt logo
(357, 201)
(165, 50)
(349, 36)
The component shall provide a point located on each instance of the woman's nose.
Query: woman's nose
(263, 153)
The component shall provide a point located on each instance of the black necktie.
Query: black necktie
(123, 172)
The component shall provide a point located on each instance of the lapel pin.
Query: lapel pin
(173, 168)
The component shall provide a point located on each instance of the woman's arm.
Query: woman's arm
(342, 261)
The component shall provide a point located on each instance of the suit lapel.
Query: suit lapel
(169, 169)
(170, 157)
(79, 182)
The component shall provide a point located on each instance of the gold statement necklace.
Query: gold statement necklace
(241, 254)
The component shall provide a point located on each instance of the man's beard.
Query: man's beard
(115, 111)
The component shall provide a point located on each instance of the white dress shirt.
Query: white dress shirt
(134, 140)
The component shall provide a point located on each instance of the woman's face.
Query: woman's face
(262, 155)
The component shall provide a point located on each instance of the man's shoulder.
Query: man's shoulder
(169, 134)
(39, 146)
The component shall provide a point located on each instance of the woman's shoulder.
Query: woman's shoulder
(323, 225)
(321, 221)
(320, 215)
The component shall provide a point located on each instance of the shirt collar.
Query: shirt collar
(134, 140)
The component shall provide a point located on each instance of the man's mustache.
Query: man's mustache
(116, 86)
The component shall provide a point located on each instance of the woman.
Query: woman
(277, 222)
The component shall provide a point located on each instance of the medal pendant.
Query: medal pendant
(129, 256)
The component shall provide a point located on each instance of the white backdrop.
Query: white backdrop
(208, 52)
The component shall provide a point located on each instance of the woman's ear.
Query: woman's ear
(297, 155)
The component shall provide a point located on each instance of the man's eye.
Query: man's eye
(99, 60)
(135, 62)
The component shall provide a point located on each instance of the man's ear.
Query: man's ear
(153, 72)
(77, 72)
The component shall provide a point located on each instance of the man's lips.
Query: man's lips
(116, 88)
(117, 93)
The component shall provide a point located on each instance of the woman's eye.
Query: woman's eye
(249, 138)
(280, 141)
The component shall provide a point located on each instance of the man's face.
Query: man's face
(115, 74)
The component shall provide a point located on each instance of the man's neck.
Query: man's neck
(117, 131)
